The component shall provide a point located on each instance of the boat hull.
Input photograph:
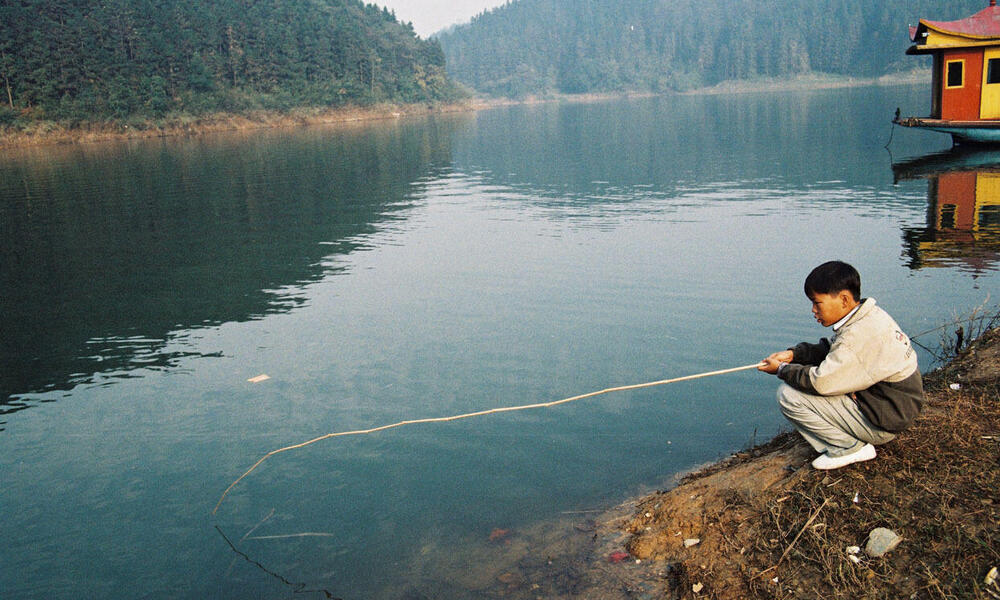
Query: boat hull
(962, 132)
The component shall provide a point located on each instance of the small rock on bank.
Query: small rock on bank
(881, 541)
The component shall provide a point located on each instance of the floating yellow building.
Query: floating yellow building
(965, 85)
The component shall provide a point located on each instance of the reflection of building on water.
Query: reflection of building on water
(963, 213)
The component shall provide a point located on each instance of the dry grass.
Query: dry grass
(937, 485)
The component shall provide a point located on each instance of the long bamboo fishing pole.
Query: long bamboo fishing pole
(477, 414)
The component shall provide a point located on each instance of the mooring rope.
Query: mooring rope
(477, 414)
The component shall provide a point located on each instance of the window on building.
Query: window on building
(993, 70)
(955, 77)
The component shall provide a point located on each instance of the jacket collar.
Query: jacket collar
(863, 307)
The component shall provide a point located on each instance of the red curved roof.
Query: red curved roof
(983, 24)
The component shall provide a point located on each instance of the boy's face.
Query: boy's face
(830, 308)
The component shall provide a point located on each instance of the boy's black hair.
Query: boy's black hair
(833, 277)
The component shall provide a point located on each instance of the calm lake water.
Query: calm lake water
(421, 268)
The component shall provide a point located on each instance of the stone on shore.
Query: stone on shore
(881, 541)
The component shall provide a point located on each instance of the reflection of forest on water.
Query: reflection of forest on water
(963, 210)
(107, 250)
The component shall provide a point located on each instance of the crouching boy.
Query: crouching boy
(856, 390)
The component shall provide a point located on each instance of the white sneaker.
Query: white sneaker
(826, 462)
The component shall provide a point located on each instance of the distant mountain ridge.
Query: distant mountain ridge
(120, 59)
(581, 46)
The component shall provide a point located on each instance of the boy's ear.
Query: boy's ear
(846, 298)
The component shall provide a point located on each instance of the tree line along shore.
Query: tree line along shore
(135, 64)
(81, 70)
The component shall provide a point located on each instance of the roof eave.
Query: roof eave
(968, 36)
(925, 49)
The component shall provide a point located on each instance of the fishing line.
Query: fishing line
(892, 130)
(297, 588)
(477, 414)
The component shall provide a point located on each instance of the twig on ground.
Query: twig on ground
(794, 541)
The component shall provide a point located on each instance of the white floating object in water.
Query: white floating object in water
(259, 378)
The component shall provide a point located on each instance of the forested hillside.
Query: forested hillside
(91, 59)
(575, 46)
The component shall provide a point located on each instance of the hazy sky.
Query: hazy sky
(431, 16)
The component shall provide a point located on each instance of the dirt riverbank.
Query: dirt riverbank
(48, 132)
(812, 81)
(764, 524)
